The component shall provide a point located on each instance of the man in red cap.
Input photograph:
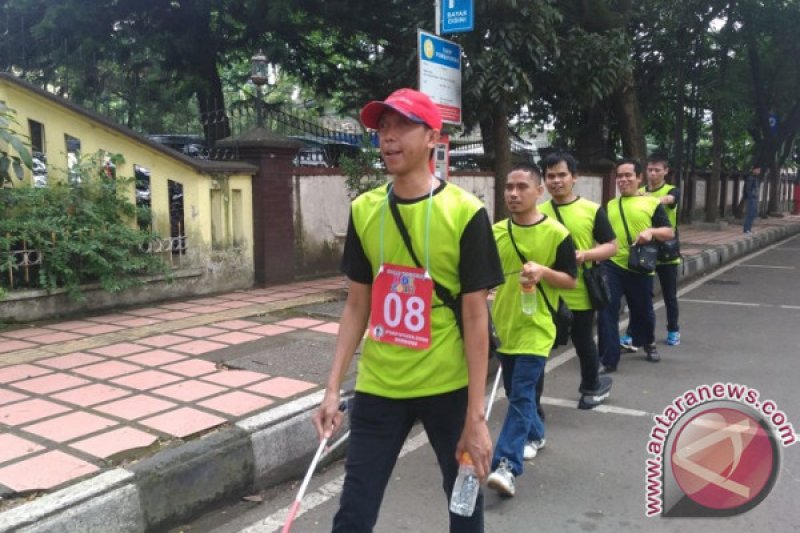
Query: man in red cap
(420, 259)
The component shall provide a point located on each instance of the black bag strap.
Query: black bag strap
(524, 260)
(558, 216)
(624, 223)
(443, 294)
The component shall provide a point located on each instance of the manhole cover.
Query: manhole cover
(306, 359)
(329, 310)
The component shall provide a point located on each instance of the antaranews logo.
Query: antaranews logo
(714, 451)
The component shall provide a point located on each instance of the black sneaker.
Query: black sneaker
(651, 353)
(591, 399)
(606, 369)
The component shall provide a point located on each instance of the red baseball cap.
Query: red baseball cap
(414, 105)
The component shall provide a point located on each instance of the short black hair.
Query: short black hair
(659, 158)
(557, 157)
(530, 168)
(637, 165)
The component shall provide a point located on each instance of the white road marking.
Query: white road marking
(333, 488)
(723, 302)
(776, 267)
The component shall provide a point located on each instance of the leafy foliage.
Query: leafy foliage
(363, 171)
(84, 233)
(13, 152)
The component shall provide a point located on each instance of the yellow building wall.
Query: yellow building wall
(59, 120)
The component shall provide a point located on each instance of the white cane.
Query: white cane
(494, 391)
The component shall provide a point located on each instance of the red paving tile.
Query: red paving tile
(182, 422)
(70, 426)
(191, 368)
(8, 396)
(173, 315)
(107, 319)
(55, 337)
(189, 390)
(50, 383)
(262, 299)
(25, 333)
(29, 410)
(299, 323)
(235, 304)
(155, 358)
(12, 447)
(145, 311)
(120, 349)
(281, 387)
(269, 330)
(115, 441)
(18, 372)
(235, 337)
(236, 403)
(234, 378)
(176, 306)
(71, 325)
(109, 369)
(72, 360)
(200, 332)
(149, 379)
(135, 407)
(198, 347)
(44, 471)
(236, 324)
(285, 295)
(99, 329)
(206, 309)
(207, 301)
(160, 341)
(329, 327)
(91, 394)
(137, 322)
(13, 345)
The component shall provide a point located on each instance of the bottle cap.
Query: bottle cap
(466, 459)
(528, 288)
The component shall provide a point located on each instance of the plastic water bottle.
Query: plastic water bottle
(527, 298)
(465, 490)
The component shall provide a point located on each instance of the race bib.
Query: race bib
(401, 307)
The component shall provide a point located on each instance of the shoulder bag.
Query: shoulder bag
(642, 257)
(454, 303)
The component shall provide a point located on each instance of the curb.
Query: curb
(179, 483)
(266, 449)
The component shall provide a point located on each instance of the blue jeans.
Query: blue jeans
(522, 423)
(638, 291)
(378, 428)
(668, 279)
(751, 210)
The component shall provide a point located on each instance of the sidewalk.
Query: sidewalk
(134, 420)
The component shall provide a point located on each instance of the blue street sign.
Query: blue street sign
(458, 16)
(773, 123)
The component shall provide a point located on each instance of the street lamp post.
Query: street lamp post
(259, 75)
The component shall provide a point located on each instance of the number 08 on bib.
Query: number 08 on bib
(401, 307)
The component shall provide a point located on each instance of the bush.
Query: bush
(363, 171)
(86, 232)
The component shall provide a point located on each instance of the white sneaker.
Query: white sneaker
(532, 448)
(502, 479)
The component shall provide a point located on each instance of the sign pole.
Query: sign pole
(437, 8)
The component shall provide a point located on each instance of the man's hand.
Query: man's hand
(580, 257)
(328, 418)
(645, 237)
(531, 273)
(476, 441)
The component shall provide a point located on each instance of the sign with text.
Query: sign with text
(458, 16)
(440, 74)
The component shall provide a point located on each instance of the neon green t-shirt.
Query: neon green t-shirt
(639, 212)
(541, 242)
(672, 212)
(395, 371)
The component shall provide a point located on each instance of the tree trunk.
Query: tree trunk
(712, 187)
(630, 119)
(502, 161)
(590, 143)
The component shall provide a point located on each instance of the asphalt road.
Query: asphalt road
(740, 324)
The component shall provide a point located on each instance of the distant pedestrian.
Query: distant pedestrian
(752, 187)
(595, 242)
(416, 363)
(636, 220)
(542, 252)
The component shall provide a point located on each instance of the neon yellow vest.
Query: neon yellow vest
(578, 217)
(394, 371)
(639, 212)
(520, 333)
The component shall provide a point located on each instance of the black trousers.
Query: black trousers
(378, 428)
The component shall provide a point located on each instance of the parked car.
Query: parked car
(322, 152)
(191, 145)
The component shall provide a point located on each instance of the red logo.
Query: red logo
(723, 459)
